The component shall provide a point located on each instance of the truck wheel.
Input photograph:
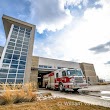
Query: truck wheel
(75, 90)
(61, 87)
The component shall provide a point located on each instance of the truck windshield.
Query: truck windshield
(74, 73)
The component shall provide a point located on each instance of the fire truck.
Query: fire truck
(65, 79)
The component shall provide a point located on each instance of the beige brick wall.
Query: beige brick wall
(35, 61)
(89, 72)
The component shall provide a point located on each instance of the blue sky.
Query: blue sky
(74, 30)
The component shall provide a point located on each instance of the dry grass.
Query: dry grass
(53, 104)
(17, 94)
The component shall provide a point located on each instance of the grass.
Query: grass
(16, 94)
(53, 104)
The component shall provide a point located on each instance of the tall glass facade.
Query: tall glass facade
(12, 70)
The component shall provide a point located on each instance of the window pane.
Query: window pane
(17, 27)
(20, 37)
(6, 61)
(21, 34)
(22, 62)
(11, 75)
(14, 66)
(9, 56)
(24, 46)
(28, 30)
(23, 58)
(14, 33)
(9, 51)
(20, 75)
(25, 43)
(18, 45)
(16, 57)
(25, 50)
(16, 52)
(21, 31)
(23, 53)
(10, 81)
(21, 28)
(5, 65)
(12, 40)
(14, 36)
(27, 36)
(21, 71)
(21, 67)
(16, 48)
(27, 33)
(12, 71)
(19, 81)
(26, 39)
(14, 62)
(2, 80)
(11, 43)
(3, 75)
(19, 41)
(4, 70)
(10, 47)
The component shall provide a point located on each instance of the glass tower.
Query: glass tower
(14, 58)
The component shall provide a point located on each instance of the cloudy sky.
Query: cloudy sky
(73, 30)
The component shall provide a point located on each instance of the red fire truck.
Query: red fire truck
(65, 79)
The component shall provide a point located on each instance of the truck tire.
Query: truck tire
(61, 88)
(75, 90)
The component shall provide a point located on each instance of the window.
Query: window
(21, 71)
(9, 51)
(16, 52)
(56, 75)
(17, 27)
(23, 53)
(45, 66)
(19, 81)
(10, 47)
(11, 43)
(20, 75)
(27, 36)
(2, 80)
(49, 66)
(25, 50)
(14, 66)
(26, 43)
(22, 62)
(41, 66)
(27, 33)
(21, 28)
(20, 38)
(16, 48)
(9, 56)
(14, 36)
(16, 57)
(21, 31)
(21, 67)
(28, 30)
(18, 45)
(12, 71)
(25, 46)
(23, 58)
(11, 75)
(14, 62)
(6, 61)
(63, 73)
(10, 81)
(5, 65)
(26, 39)
(12, 40)
(14, 33)
(21, 34)
(4, 70)
(3, 75)
(19, 41)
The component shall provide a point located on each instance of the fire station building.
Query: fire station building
(17, 64)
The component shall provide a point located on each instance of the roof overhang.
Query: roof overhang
(8, 21)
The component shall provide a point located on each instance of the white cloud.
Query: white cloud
(82, 34)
